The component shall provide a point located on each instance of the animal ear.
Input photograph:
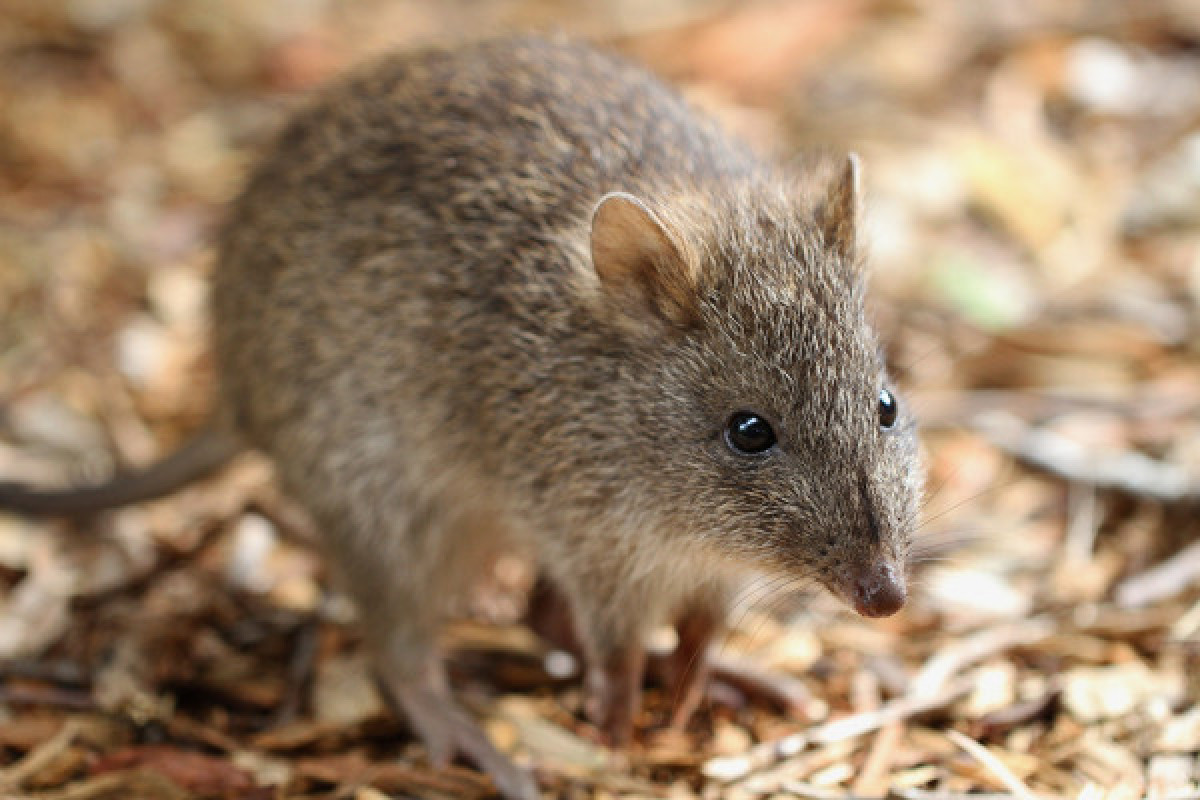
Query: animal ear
(638, 261)
(837, 215)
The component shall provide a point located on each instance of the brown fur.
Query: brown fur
(409, 322)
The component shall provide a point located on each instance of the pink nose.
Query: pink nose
(879, 591)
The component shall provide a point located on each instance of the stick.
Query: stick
(760, 756)
(976, 647)
(1161, 581)
(1129, 472)
(995, 765)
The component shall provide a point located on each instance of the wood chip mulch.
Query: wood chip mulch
(1033, 175)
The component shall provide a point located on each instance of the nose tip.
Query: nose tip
(879, 591)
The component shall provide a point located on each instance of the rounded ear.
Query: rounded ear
(837, 215)
(637, 259)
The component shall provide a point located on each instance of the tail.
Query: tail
(204, 454)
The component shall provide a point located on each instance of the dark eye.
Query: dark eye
(887, 410)
(749, 434)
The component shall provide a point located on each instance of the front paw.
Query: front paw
(613, 693)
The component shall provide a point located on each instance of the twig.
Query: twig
(1187, 626)
(995, 765)
(1082, 525)
(946, 409)
(61, 672)
(872, 779)
(1002, 720)
(128, 783)
(790, 694)
(902, 708)
(952, 660)
(12, 778)
(1161, 581)
(926, 794)
(811, 792)
(797, 769)
(1129, 472)
(731, 768)
(760, 756)
(47, 696)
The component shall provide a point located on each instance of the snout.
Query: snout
(878, 591)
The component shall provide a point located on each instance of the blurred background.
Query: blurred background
(1032, 173)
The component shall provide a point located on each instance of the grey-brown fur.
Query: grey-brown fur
(409, 322)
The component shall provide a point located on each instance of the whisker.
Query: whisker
(942, 543)
(972, 498)
(773, 603)
(749, 599)
(760, 588)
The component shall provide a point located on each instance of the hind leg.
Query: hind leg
(447, 731)
(401, 562)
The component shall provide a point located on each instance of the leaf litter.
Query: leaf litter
(1033, 176)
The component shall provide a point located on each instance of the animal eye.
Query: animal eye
(887, 410)
(749, 434)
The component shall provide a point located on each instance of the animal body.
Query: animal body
(519, 296)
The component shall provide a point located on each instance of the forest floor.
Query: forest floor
(1033, 204)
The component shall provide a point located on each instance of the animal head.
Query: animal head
(770, 429)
